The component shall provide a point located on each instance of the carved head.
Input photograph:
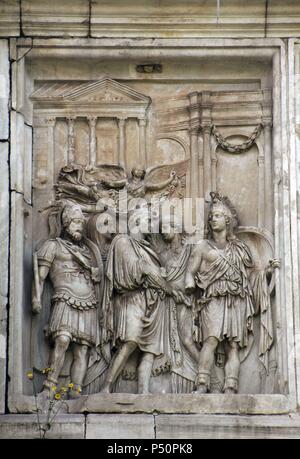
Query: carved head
(169, 226)
(138, 172)
(73, 221)
(139, 221)
(222, 215)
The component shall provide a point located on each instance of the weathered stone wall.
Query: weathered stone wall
(35, 36)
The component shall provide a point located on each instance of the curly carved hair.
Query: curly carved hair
(229, 211)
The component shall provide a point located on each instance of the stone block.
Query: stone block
(4, 89)
(27, 179)
(283, 22)
(9, 18)
(4, 244)
(26, 427)
(186, 403)
(69, 18)
(21, 156)
(16, 295)
(17, 152)
(235, 18)
(120, 426)
(227, 427)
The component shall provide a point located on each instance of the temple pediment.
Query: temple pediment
(104, 91)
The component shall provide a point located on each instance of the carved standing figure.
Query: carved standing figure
(74, 266)
(180, 333)
(221, 268)
(131, 312)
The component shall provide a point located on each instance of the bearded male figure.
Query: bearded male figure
(73, 264)
(220, 267)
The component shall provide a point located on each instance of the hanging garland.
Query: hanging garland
(236, 148)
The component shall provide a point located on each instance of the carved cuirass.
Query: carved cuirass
(69, 277)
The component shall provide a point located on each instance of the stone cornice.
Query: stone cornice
(152, 19)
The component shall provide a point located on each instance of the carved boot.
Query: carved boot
(75, 392)
(231, 385)
(202, 383)
(49, 387)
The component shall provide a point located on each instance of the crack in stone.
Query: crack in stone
(7, 375)
(90, 19)
(21, 19)
(266, 18)
(85, 425)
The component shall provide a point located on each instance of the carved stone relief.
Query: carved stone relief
(155, 311)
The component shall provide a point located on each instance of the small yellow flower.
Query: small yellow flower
(54, 388)
(71, 385)
(57, 396)
(29, 374)
(79, 390)
(64, 389)
(47, 370)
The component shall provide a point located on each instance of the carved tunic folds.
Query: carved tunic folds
(74, 299)
(133, 314)
(227, 305)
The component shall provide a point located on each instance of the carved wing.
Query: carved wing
(162, 172)
(260, 242)
(157, 177)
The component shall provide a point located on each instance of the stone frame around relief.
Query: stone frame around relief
(21, 174)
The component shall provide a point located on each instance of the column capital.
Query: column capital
(121, 121)
(260, 160)
(266, 122)
(206, 128)
(92, 120)
(142, 121)
(194, 131)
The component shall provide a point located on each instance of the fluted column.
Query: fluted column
(206, 128)
(214, 162)
(93, 151)
(121, 124)
(142, 142)
(194, 162)
(51, 153)
(71, 140)
(261, 191)
(268, 175)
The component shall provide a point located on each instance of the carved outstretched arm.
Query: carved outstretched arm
(115, 184)
(81, 190)
(161, 185)
(273, 264)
